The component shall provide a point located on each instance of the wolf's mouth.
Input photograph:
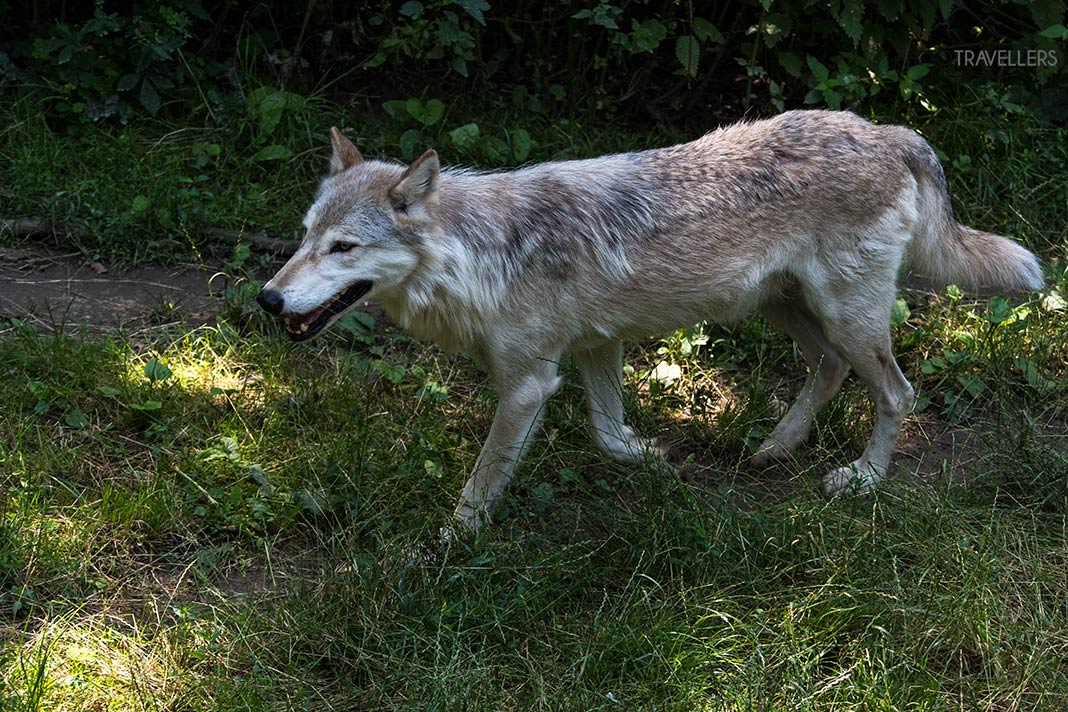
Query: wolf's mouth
(301, 327)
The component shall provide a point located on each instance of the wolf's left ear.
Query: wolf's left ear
(418, 187)
(345, 154)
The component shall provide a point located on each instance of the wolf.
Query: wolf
(805, 218)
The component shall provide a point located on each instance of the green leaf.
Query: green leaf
(890, 9)
(543, 492)
(998, 310)
(274, 152)
(521, 145)
(496, 149)
(688, 52)
(432, 390)
(648, 35)
(932, 365)
(791, 63)
(900, 313)
(127, 82)
(77, 418)
(918, 71)
(706, 31)
(149, 97)
(818, 69)
(1055, 32)
(850, 19)
(411, 9)
(465, 136)
(427, 114)
(474, 8)
(972, 384)
(394, 107)
(266, 105)
(410, 140)
(1034, 376)
(147, 405)
(156, 370)
(394, 373)
(140, 204)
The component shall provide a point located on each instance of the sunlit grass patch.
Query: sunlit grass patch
(103, 661)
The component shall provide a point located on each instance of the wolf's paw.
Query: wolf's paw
(855, 478)
(770, 452)
(464, 524)
(631, 448)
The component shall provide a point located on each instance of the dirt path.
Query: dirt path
(57, 291)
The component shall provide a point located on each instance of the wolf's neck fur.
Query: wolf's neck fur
(559, 220)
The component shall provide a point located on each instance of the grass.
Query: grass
(267, 538)
(212, 518)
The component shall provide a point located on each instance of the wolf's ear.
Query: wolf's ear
(418, 187)
(345, 154)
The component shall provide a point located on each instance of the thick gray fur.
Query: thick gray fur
(806, 218)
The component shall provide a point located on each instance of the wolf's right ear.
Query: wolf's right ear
(345, 153)
(417, 189)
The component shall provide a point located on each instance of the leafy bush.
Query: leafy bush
(110, 65)
(633, 58)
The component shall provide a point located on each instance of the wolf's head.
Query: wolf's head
(361, 239)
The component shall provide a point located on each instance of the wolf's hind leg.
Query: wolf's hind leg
(826, 371)
(602, 373)
(522, 399)
(862, 336)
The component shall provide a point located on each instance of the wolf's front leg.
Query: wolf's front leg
(602, 372)
(522, 400)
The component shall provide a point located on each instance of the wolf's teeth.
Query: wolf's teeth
(303, 328)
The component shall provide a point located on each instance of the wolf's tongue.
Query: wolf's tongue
(312, 316)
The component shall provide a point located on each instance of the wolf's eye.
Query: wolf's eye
(339, 247)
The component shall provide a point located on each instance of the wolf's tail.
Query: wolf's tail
(945, 252)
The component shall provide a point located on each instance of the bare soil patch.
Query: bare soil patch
(58, 291)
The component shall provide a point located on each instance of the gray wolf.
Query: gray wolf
(804, 218)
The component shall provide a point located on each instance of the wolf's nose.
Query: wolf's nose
(271, 301)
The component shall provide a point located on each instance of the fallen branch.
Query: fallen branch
(260, 239)
(30, 227)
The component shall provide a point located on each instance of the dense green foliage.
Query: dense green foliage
(639, 59)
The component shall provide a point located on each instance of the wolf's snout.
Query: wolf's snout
(271, 301)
